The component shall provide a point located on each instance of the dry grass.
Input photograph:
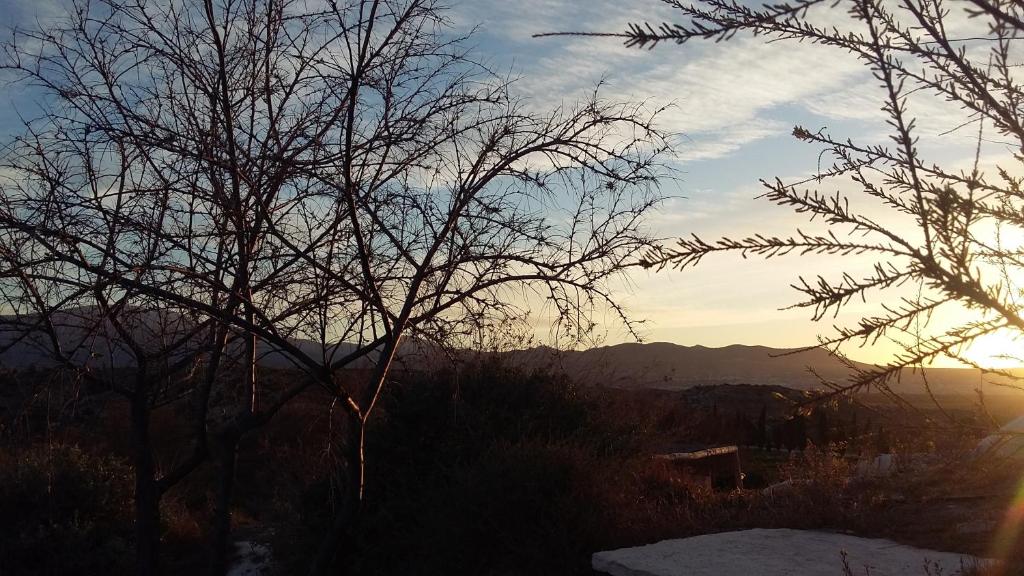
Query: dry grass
(500, 472)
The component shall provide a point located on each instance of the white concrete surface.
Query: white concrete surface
(763, 552)
(1007, 443)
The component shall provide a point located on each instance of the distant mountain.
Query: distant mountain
(667, 366)
(659, 365)
(86, 339)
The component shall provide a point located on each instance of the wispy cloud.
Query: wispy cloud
(724, 95)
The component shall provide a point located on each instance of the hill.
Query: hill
(659, 365)
(667, 366)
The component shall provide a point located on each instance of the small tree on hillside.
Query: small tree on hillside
(943, 237)
(146, 353)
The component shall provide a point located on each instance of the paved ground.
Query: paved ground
(777, 553)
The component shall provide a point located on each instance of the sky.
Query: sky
(734, 107)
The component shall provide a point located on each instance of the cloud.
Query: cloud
(28, 12)
(724, 94)
(727, 96)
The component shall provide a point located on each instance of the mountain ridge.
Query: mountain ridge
(670, 366)
(628, 365)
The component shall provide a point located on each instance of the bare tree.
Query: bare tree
(78, 242)
(944, 237)
(317, 182)
(67, 319)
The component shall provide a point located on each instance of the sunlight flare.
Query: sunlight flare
(1008, 537)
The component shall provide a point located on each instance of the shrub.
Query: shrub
(488, 470)
(64, 511)
(497, 471)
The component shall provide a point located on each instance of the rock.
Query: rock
(782, 552)
(977, 526)
(778, 489)
(883, 465)
(250, 559)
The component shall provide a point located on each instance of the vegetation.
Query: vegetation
(483, 469)
(211, 183)
(215, 188)
(59, 498)
(942, 239)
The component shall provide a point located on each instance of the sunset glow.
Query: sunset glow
(489, 288)
(999, 350)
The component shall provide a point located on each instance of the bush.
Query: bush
(496, 471)
(64, 511)
(488, 470)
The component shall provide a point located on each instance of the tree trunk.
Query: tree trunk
(221, 543)
(347, 515)
(220, 539)
(350, 502)
(147, 493)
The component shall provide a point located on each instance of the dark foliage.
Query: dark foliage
(64, 512)
(489, 470)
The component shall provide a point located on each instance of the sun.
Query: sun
(1002, 349)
